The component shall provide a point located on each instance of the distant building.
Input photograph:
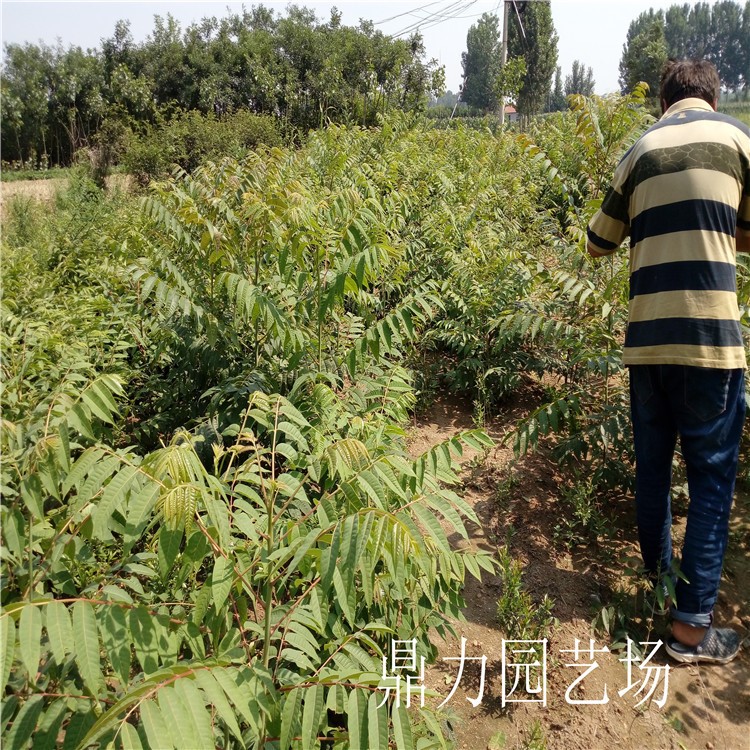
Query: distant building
(510, 113)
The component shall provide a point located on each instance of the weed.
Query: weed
(535, 739)
(481, 406)
(506, 487)
(23, 224)
(426, 373)
(498, 741)
(676, 723)
(584, 520)
(517, 613)
(519, 616)
(632, 610)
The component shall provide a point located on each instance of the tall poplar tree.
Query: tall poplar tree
(557, 100)
(532, 36)
(580, 80)
(644, 52)
(481, 63)
(719, 32)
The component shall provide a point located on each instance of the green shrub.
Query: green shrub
(190, 138)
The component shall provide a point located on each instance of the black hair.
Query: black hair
(682, 79)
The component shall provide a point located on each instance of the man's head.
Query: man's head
(682, 79)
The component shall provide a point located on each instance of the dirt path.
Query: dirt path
(706, 708)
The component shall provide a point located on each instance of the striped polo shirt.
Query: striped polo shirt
(680, 193)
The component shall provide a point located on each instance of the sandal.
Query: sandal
(719, 646)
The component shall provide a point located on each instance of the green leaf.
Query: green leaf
(221, 581)
(371, 486)
(377, 723)
(219, 515)
(113, 625)
(301, 551)
(33, 495)
(239, 696)
(180, 727)
(50, 724)
(312, 716)
(77, 729)
(24, 724)
(79, 420)
(112, 717)
(30, 639)
(157, 731)
(170, 540)
(100, 472)
(215, 695)
(290, 718)
(402, 728)
(129, 737)
(298, 659)
(7, 649)
(59, 630)
(346, 596)
(430, 522)
(140, 506)
(357, 720)
(114, 495)
(328, 561)
(81, 468)
(143, 628)
(86, 639)
(189, 694)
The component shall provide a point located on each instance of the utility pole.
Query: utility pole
(504, 55)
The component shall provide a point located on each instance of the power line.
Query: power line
(451, 11)
(407, 12)
(438, 14)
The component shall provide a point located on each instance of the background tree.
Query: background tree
(580, 80)
(509, 80)
(557, 101)
(481, 63)
(537, 44)
(119, 49)
(26, 92)
(644, 53)
(294, 68)
(677, 30)
(719, 32)
(700, 42)
(726, 50)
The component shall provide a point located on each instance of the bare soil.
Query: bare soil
(707, 708)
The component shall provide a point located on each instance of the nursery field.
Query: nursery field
(277, 430)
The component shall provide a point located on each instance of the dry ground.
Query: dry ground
(42, 190)
(45, 190)
(707, 708)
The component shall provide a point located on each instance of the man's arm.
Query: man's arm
(742, 240)
(609, 226)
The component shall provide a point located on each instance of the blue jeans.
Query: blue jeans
(706, 408)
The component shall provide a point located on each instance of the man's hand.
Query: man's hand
(594, 252)
(742, 240)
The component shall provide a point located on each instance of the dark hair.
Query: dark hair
(681, 79)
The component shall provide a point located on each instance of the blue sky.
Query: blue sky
(592, 31)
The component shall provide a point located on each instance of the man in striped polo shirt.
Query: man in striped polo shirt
(682, 194)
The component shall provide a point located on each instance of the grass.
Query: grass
(16, 175)
(738, 110)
